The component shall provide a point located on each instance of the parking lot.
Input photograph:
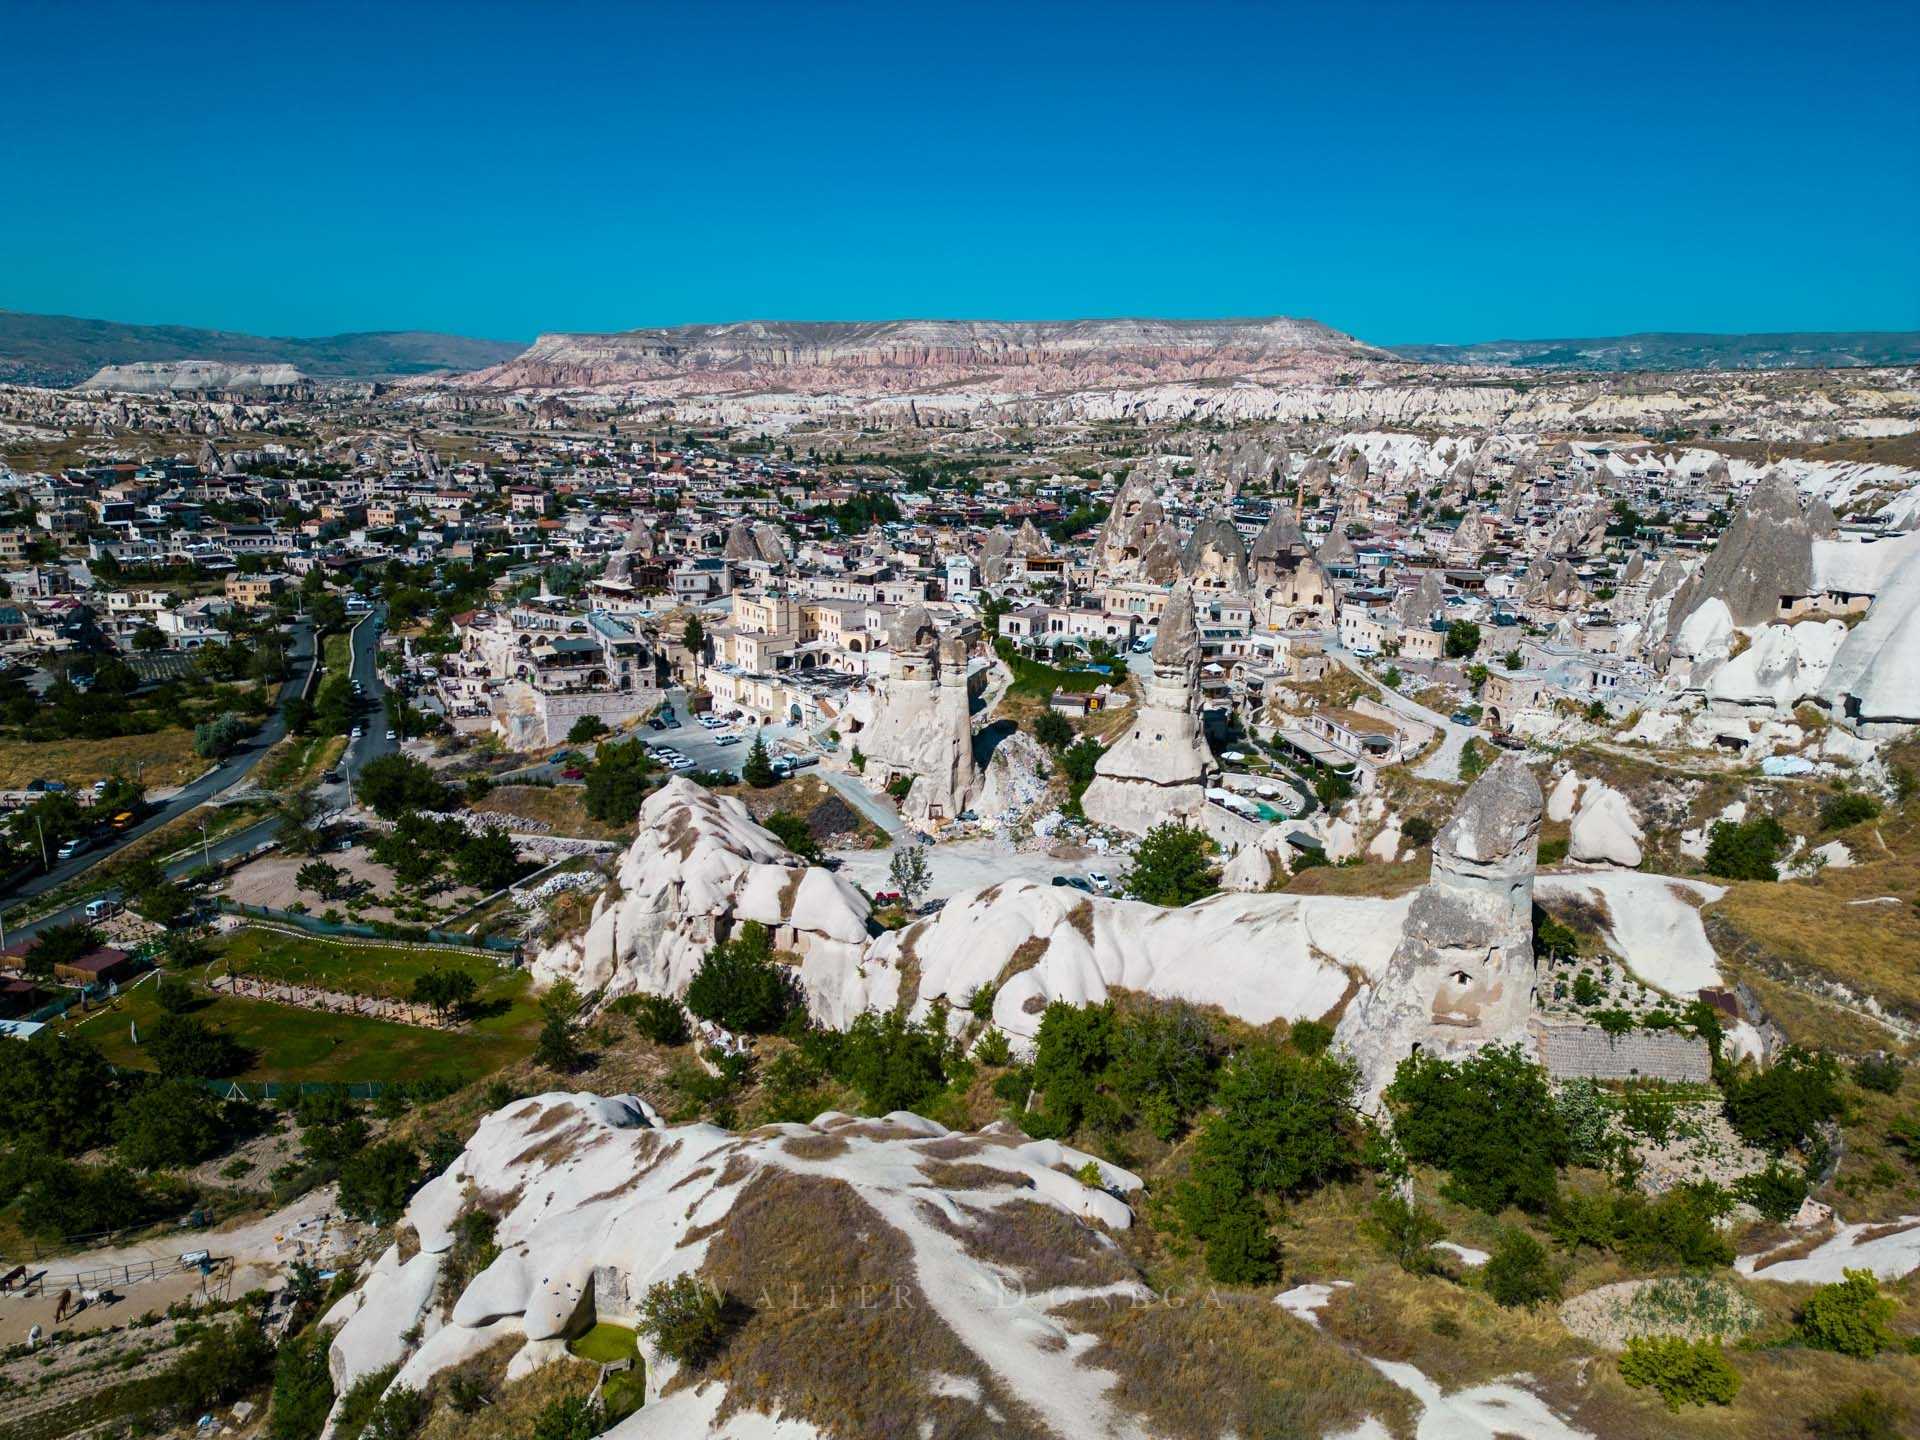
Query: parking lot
(718, 749)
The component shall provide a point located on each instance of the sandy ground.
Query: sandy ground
(259, 1249)
(269, 881)
(972, 864)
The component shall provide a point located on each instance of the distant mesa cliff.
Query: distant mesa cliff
(925, 351)
(1671, 350)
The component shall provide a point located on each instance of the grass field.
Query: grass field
(290, 1044)
(297, 761)
(380, 970)
(293, 1044)
(336, 653)
(163, 758)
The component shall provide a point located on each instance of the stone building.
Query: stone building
(922, 728)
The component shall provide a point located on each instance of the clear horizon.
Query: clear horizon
(1408, 174)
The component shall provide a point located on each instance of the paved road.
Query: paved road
(877, 808)
(973, 864)
(1444, 763)
(364, 646)
(227, 773)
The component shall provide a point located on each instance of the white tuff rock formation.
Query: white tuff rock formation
(1462, 975)
(1157, 770)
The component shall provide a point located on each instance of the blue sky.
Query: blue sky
(1405, 172)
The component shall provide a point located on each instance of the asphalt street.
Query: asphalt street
(225, 774)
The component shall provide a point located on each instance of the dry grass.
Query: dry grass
(1220, 1362)
(514, 1408)
(164, 758)
(837, 1333)
(563, 807)
(296, 762)
(1382, 880)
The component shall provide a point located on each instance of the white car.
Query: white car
(1100, 879)
(681, 763)
(357, 733)
(392, 736)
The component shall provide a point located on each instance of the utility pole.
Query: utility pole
(44, 864)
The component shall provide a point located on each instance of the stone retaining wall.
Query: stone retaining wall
(1586, 1052)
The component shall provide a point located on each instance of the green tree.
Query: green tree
(1519, 1271)
(180, 1045)
(618, 781)
(174, 995)
(908, 873)
(895, 1063)
(57, 1096)
(741, 987)
(559, 1047)
(1463, 639)
(1173, 866)
(487, 862)
(1748, 850)
(167, 1123)
(1786, 1104)
(571, 1417)
(377, 1181)
(694, 636)
(791, 831)
(445, 991)
(216, 739)
(585, 729)
(1053, 730)
(321, 879)
(758, 771)
(1489, 1120)
(391, 785)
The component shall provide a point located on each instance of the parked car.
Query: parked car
(391, 735)
(886, 897)
(1100, 879)
(729, 740)
(101, 909)
(72, 848)
(357, 733)
(1073, 882)
(1461, 717)
(656, 725)
(573, 772)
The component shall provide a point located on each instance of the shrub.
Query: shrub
(993, 1048)
(1866, 1416)
(1849, 1316)
(1417, 830)
(586, 728)
(1053, 730)
(1675, 1229)
(572, 1417)
(1489, 1121)
(685, 1319)
(1681, 1372)
(1406, 1232)
(661, 1018)
(1776, 1192)
(741, 987)
(1785, 1104)
(1241, 1250)
(1849, 807)
(1519, 1271)
(1749, 850)
(1880, 1073)
(791, 831)
(1284, 1122)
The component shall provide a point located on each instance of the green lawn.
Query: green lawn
(385, 970)
(606, 1343)
(294, 1044)
(336, 653)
